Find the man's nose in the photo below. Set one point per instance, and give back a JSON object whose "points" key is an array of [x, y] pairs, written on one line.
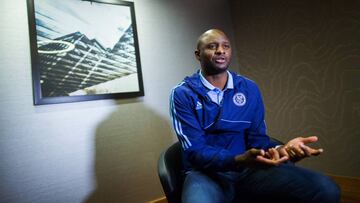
{"points": [[220, 50]]}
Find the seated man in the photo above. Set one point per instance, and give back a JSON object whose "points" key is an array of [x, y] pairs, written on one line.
{"points": [[218, 117]]}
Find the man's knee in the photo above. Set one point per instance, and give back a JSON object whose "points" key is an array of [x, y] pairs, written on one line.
{"points": [[326, 190]]}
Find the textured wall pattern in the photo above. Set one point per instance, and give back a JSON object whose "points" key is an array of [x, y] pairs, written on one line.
{"points": [[305, 56]]}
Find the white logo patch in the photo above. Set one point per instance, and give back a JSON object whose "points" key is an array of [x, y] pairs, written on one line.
{"points": [[239, 99]]}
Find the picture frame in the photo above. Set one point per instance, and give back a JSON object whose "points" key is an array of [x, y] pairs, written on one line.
{"points": [[83, 50]]}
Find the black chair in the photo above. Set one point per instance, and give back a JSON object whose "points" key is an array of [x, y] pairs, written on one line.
{"points": [[170, 171]]}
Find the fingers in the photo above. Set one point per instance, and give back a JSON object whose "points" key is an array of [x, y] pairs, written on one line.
{"points": [[258, 157], [307, 140], [296, 150], [273, 158], [249, 156], [283, 152], [307, 150], [318, 152], [290, 152], [296, 153], [272, 162], [274, 154], [311, 151], [255, 152]]}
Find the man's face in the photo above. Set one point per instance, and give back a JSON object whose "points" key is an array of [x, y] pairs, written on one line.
{"points": [[214, 52]]}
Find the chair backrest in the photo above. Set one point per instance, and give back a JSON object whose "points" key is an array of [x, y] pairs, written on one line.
{"points": [[170, 168]]}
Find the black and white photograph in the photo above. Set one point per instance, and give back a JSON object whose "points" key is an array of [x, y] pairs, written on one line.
{"points": [[83, 50]]}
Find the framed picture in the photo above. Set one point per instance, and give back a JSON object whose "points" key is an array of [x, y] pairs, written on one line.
{"points": [[83, 50]]}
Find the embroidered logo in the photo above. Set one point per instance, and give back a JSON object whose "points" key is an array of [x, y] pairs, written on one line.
{"points": [[239, 99], [198, 105]]}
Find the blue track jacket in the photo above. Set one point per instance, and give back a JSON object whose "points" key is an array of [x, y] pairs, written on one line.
{"points": [[212, 134]]}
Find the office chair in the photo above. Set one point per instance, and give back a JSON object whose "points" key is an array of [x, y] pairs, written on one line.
{"points": [[170, 171]]}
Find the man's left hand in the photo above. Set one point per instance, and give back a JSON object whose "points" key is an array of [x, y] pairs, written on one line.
{"points": [[297, 149]]}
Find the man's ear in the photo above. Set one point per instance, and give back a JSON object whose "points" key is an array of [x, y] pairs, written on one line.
{"points": [[197, 54]]}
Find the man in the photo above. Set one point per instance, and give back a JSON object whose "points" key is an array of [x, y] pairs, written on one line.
{"points": [[218, 117]]}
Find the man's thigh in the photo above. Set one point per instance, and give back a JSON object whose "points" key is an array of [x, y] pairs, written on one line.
{"points": [[200, 188], [289, 183]]}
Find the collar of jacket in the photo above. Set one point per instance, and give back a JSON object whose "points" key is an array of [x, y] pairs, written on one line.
{"points": [[196, 85]]}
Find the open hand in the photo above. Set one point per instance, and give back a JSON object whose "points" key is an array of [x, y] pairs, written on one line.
{"points": [[297, 149]]}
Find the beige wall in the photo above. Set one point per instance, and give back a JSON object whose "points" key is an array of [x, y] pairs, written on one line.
{"points": [[305, 56], [96, 151]]}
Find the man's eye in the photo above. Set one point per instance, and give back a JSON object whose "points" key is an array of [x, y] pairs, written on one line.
{"points": [[212, 46], [226, 46]]}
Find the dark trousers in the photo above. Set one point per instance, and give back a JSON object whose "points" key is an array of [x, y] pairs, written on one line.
{"points": [[284, 183]]}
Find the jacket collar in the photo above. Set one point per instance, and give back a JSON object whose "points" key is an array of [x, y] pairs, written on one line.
{"points": [[208, 85], [195, 83]]}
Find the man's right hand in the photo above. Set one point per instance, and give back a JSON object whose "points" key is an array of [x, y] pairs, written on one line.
{"points": [[258, 157]]}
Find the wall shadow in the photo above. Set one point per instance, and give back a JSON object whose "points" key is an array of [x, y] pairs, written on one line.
{"points": [[127, 147]]}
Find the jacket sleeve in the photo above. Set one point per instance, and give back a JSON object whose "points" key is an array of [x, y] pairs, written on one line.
{"points": [[256, 136], [192, 136]]}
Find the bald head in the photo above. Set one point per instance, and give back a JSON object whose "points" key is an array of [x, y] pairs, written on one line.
{"points": [[213, 52], [206, 34]]}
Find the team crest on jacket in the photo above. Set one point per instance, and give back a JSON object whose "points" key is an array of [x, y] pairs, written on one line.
{"points": [[239, 99]]}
